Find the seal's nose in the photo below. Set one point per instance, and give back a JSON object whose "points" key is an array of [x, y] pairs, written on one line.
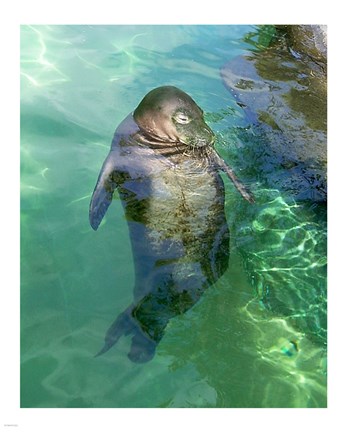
{"points": [[207, 138]]}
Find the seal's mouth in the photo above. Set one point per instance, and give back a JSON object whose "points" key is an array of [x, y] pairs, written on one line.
{"points": [[197, 136], [197, 142]]}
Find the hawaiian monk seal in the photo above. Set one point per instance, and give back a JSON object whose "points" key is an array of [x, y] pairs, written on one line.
{"points": [[166, 171]]}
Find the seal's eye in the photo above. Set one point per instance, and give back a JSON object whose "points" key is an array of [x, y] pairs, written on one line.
{"points": [[182, 118]]}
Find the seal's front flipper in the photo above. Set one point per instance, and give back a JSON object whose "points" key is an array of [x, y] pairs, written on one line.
{"points": [[103, 193], [221, 164]]}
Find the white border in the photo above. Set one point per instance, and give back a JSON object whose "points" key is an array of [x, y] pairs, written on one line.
{"points": [[161, 12]]}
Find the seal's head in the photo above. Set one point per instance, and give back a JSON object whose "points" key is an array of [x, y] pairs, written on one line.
{"points": [[167, 114]]}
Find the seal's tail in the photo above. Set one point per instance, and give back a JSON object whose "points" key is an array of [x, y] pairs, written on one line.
{"points": [[122, 326], [142, 346]]}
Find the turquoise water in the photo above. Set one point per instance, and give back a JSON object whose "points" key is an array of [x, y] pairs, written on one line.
{"points": [[258, 336]]}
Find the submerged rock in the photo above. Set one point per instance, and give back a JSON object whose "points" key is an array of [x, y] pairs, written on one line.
{"points": [[281, 84], [283, 91], [308, 40]]}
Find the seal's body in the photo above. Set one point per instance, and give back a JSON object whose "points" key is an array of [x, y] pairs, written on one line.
{"points": [[166, 172]]}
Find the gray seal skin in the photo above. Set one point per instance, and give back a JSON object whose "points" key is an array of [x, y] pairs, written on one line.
{"points": [[164, 166]]}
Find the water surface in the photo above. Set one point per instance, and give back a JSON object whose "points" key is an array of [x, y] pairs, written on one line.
{"points": [[257, 338]]}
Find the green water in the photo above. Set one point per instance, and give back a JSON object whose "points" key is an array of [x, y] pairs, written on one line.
{"points": [[257, 338]]}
